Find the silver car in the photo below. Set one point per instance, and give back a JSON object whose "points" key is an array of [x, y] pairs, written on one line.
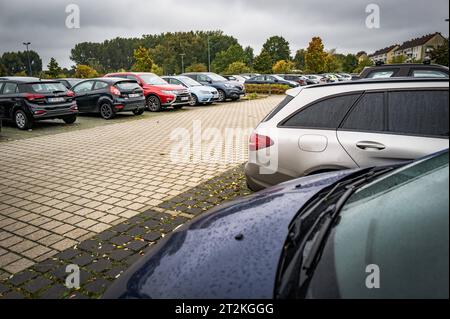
{"points": [[330, 127]]}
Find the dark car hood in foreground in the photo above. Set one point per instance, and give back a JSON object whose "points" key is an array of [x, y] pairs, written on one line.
{"points": [[204, 259]]}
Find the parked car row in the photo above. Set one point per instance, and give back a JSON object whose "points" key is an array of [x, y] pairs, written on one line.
{"points": [[25, 100], [361, 210]]}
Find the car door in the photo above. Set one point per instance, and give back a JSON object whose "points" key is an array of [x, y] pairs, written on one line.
{"points": [[82, 95], [394, 127], [3, 112], [8, 98], [307, 139], [98, 90]]}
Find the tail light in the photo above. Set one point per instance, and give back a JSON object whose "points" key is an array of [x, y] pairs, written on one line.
{"points": [[70, 93], [114, 90], [32, 96], [259, 142]]}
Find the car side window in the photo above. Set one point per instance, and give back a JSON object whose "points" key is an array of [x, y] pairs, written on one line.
{"points": [[202, 78], [428, 74], [100, 85], [368, 114], [10, 88], [381, 74], [83, 87], [325, 114], [423, 113]]}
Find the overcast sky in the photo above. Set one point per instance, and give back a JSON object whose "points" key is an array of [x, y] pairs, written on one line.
{"points": [[340, 23]]}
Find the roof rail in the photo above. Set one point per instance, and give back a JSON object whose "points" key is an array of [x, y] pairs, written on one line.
{"points": [[378, 81]]}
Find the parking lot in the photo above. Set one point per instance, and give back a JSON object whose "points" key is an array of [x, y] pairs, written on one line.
{"points": [[62, 186]]}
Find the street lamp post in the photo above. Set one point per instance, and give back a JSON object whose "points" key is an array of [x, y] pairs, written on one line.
{"points": [[182, 62], [209, 56], [30, 72]]}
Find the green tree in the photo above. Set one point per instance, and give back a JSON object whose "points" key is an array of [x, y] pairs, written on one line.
{"points": [[364, 62], [3, 70], [283, 67], [299, 59], [249, 56], [53, 68], [85, 72], [197, 67], [349, 63], [234, 53], [17, 62], [316, 57], [333, 62], [440, 54], [277, 48], [263, 63], [143, 61], [238, 68]]}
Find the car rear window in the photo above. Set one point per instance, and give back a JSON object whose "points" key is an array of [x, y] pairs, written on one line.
{"points": [[423, 113], [48, 87], [127, 85], [325, 114]]}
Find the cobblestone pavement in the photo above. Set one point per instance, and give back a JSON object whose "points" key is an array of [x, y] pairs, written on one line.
{"points": [[60, 190], [105, 256]]}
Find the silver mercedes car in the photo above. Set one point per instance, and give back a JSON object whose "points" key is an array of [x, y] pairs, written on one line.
{"points": [[328, 127]]}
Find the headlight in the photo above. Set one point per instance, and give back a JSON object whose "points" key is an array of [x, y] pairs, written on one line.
{"points": [[169, 92], [229, 85]]}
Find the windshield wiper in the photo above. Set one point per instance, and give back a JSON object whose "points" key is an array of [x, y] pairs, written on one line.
{"points": [[300, 268]]}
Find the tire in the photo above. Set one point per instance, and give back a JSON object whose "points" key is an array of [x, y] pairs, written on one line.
{"points": [[222, 96], [107, 111], [138, 112], [193, 101], [236, 99], [70, 119], [22, 120], [153, 103]]}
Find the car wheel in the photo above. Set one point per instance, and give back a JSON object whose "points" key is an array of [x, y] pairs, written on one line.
{"points": [[70, 119], [153, 103], [193, 101], [107, 111], [22, 120], [222, 96], [138, 112], [236, 98]]}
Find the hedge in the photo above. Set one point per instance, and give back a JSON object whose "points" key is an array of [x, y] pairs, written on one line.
{"points": [[267, 88]]}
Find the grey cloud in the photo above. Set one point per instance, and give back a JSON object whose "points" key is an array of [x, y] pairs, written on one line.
{"points": [[339, 23]]}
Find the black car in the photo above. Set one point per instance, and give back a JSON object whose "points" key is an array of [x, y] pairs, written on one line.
{"points": [[109, 96], [25, 100], [271, 79], [69, 82], [416, 70], [379, 232], [227, 89], [300, 79]]}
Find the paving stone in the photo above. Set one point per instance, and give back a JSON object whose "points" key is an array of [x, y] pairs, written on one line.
{"points": [[120, 254], [13, 295], [152, 236], [120, 240], [37, 284], [54, 292], [100, 266], [98, 286], [22, 277]]}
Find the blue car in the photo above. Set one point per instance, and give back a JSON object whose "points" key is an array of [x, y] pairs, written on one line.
{"points": [[362, 233], [201, 94]]}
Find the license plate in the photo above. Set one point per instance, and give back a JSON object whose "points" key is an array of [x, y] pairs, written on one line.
{"points": [[133, 95], [185, 98], [56, 99]]}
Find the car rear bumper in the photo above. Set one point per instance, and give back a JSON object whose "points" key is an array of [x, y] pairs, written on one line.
{"points": [[53, 112], [258, 181], [124, 105]]}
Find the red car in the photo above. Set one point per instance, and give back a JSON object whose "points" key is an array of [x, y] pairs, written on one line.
{"points": [[158, 93]]}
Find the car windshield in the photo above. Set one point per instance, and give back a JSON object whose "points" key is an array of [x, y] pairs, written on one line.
{"points": [[152, 79], [189, 82], [385, 226], [279, 78], [48, 87], [216, 78]]}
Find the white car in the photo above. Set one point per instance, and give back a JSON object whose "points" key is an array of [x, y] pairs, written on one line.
{"points": [[200, 94], [346, 125]]}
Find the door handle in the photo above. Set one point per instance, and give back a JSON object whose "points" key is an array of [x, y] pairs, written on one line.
{"points": [[365, 145]]}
